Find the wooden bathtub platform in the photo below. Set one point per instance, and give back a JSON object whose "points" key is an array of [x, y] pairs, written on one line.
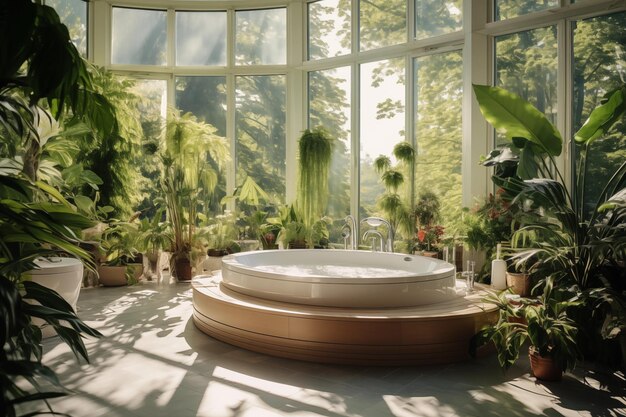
{"points": [[424, 335]]}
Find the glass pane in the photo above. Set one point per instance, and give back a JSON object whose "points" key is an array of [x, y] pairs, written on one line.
{"points": [[599, 66], [260, 132], [381, 125], [261, 37], [526, 64], [329, 107], [439, 87], [437, 17], [152, 108], [205, 97], [73, 14], [329, 28], [139, 37], [200, 38], [507, 9], [383, 23]]}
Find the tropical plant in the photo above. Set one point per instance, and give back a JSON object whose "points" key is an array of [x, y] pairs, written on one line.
{"points": [[426, 214], [315, 153], [222, 234], [37, 62], [394, 206], [188, 179], [47, 227], [558, 237], [154, 234], [542, 321], [294, 231]]}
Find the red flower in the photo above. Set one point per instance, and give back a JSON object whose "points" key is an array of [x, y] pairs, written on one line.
{"points": [[421, 235]]}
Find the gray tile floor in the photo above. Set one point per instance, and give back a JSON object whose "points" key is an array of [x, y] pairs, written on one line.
{"points": [[153, 362]]}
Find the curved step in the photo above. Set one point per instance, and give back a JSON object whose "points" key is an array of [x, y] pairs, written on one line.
{"points": [[432, 334]]}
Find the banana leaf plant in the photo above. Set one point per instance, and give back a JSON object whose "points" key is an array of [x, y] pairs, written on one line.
{"points": [[582, 250]]}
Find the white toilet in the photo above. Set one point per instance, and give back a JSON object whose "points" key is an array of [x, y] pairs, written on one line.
{"points": [[64, 275]]}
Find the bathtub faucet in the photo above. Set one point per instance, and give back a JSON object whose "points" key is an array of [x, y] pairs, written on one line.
{"points": [[349, 231], [376, 222], [375, 234]]}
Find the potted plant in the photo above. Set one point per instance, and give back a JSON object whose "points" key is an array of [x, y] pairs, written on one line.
{"points": [[560, 234], [154, 237], [315, 154], [429, 233], [188, 179], [543, 322], [119, 245], [293, 232], [395, 207], [222, 236]]}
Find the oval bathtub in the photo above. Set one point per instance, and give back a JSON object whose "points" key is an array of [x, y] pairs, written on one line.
{"points": [[340, 278]]}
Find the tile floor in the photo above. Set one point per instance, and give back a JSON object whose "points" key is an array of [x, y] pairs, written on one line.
{"points": [[153, 362]]}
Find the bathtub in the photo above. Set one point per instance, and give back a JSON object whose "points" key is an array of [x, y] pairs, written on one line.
{"points": [[340, 278]]}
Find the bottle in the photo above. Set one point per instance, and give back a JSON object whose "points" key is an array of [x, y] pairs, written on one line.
{"points": [[498, 271]]}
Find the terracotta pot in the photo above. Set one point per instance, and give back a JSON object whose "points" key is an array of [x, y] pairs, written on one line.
{"points": [[544, 368], [519, 282], [112, 276], [430, 254], [183, 269]]}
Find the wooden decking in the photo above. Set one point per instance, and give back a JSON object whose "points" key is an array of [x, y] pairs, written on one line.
{"points": [[431, 334]]}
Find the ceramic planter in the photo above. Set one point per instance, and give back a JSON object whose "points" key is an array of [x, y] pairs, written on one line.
{"points": [[112, 276], [519, 282], [544, 368]]}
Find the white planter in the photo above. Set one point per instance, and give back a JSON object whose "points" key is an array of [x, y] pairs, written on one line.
{"points": [[63, 275]]}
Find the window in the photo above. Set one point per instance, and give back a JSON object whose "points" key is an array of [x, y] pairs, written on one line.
{"points": [[260, 132], [73, 14], [439, 96], [381, 124], [261, 37], [329, 107], [139, 37], [382, 23], [526, 64], [201, 38], [437, 17], [152, 108], [329, 28], [601, 40], [507, 9]]}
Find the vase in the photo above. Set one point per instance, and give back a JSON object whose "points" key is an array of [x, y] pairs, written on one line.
{"points": [[544, 368]]}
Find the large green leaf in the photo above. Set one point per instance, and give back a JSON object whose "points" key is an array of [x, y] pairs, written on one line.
{"points": [[515, 117], [603, 117]]}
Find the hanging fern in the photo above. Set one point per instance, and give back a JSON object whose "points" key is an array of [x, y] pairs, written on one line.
{"points": [[315, 150], [404, 152]]}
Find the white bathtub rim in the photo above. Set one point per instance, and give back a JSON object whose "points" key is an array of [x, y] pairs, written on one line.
{"points": [[230, 264]]}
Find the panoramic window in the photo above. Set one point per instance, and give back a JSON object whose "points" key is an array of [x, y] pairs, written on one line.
{"points": [[437, 17], [200, 38], [261, 37], [382, 23], [601, 40], [439, 96], [526, 64], [73, 14], [381, 124], [507, 9], [329, 28], [260, 132], [139, 37], [329, 107]]}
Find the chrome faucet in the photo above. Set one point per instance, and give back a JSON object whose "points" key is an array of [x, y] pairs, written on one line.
{"points": [[375, 234], [349, 231], [377, 222]]}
